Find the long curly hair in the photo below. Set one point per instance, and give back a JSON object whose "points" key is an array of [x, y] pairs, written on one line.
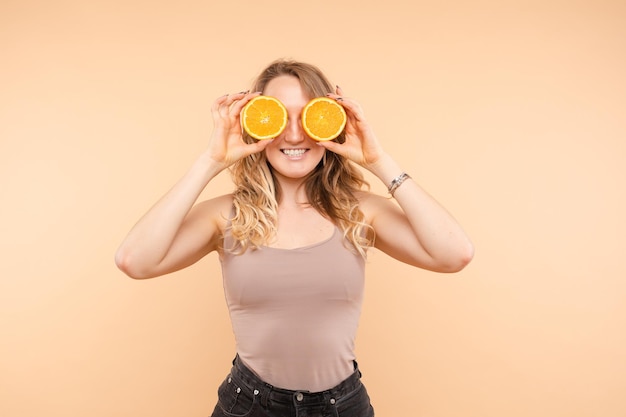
{"points": [[331, 187]]}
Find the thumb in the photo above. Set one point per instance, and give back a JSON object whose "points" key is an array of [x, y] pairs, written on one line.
{"points": [[332, 146], [259, 145]]}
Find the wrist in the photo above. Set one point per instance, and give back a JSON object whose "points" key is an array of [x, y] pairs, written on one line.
{"points": [[207, 166], [386, 169], [397, 182]]}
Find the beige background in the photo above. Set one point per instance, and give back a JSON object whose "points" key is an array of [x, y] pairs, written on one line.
{"points": [[511, 113]]}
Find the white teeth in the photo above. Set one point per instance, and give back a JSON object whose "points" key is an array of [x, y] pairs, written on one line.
{"points": [[294, 152]]}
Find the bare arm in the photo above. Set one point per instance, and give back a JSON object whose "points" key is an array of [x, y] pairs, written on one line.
{"points": [[175, 233], [172, 234], [417, 230]]}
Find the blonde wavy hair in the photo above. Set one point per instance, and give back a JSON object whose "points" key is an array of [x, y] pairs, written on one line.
{"points": [[331, 187]]}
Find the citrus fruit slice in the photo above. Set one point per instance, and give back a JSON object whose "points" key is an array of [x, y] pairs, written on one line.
{"points": [[323, 119], [264, 117]]}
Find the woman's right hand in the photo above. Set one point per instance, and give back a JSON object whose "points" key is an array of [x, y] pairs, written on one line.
{"points": [[175, 233], [226, 145]]}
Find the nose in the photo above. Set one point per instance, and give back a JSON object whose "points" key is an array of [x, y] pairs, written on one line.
{"points": [[293, 133]]}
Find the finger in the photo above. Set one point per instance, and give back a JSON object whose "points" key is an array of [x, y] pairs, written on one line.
{"points": [[234, 97], [339, 99], [339, 90], [218, 102], [219, 105], [353, 109], [239, 105], [224, 103]]}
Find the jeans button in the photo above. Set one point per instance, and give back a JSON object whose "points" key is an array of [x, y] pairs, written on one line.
{"points": [[299, 396], [332, 401]]}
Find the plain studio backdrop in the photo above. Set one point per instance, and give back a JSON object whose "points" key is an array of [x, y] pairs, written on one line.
{"points": [[511, 113]]}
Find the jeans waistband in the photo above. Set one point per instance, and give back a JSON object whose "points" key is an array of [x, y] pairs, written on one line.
{"points": [[268, 392]]}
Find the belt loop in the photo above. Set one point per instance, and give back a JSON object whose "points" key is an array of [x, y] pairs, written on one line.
{"points": [[356, 368], [265, 395]]}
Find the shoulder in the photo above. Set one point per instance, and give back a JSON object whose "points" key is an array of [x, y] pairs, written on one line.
{"points": [[216, 210]]}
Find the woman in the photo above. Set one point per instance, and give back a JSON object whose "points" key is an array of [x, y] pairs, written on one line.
{"points": [[292, 240]]}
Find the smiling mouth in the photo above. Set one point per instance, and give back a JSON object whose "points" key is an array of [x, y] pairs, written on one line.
{"points": [[294, 152]]}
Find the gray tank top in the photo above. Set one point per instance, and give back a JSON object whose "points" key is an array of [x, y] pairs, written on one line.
{"points": [[295, 312]]}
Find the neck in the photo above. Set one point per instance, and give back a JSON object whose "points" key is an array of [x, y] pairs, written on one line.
{"points": [[292, 191]]}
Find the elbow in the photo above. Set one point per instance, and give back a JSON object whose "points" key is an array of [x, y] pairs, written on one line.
{"points": [[124, 262], [463, 256], [453, 259]]}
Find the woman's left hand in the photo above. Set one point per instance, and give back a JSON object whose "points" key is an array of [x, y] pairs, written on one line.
{"points": [[361, 145]]}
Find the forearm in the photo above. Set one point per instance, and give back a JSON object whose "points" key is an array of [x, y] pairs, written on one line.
{"points": [[439, 234], [150, 239]]}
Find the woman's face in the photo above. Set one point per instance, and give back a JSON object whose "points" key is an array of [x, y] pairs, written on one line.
{"points": [[293, 154]]}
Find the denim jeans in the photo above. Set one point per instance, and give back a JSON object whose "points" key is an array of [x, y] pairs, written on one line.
{"points": [[243, 394]]}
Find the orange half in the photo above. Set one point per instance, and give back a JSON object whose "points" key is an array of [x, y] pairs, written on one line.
{"points": [[323, 119], [264, 117]]}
